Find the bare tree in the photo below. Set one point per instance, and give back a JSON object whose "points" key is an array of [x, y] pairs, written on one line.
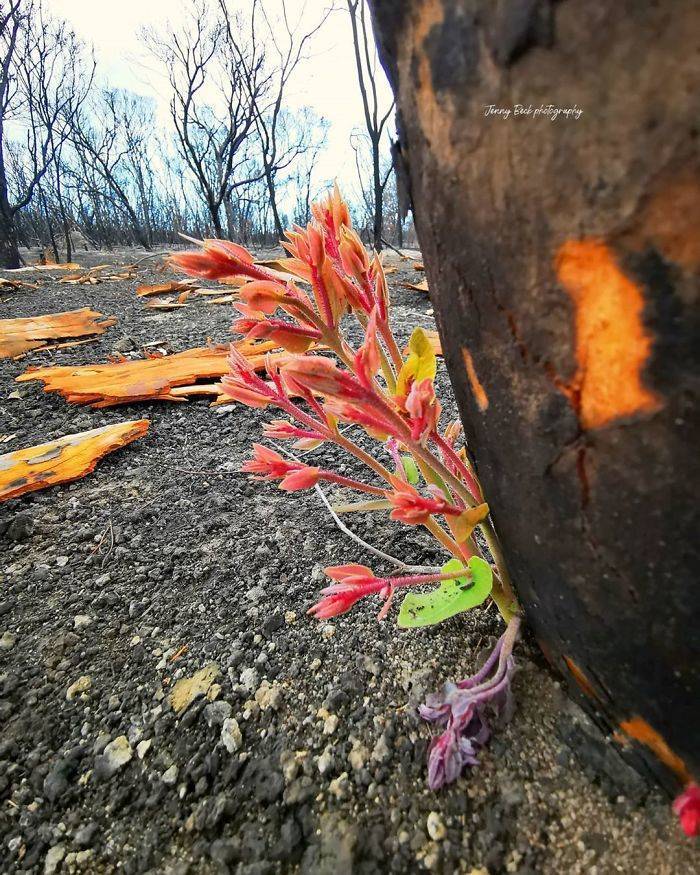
{"points": [[111, 139], [42, 84], [215, 71], [366, 63], [281, 142]]}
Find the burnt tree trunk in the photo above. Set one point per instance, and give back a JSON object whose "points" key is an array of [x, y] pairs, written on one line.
{"points": [[563, 257]]}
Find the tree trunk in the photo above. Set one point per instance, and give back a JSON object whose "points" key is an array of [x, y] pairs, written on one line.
{"points": [[563, 257], [378, 199], [9, 251]]}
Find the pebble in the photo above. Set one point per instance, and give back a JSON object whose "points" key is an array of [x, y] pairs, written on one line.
{"points": [[116, 754], [215, 713], [7, 641], [340, 786], [82, 685], [82, 621], [231, 735], [436, 827], [169, 776], [143, 747], [358, 756], [326, 761], [249, 679], [54, 858], [268, 696]]}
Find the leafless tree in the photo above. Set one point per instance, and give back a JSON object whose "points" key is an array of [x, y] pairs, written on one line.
{"points": [[42, 84], [215, 67], [111, 137], [287, 39], [366, 63]]}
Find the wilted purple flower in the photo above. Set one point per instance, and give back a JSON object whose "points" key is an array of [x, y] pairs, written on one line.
{"points": [[463, 707]]}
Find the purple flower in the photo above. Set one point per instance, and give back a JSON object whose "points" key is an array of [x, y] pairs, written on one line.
{"points": [[463, 707]]}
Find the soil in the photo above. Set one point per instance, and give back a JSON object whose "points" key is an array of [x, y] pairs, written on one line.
{"points": [[166, 561]]}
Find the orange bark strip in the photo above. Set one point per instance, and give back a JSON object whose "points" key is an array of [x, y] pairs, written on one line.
{"points": [[18, 336], [64, 460], [123, 382], [580, 678], [640, 730], [612, 344], [482, 399], [163, 288]]}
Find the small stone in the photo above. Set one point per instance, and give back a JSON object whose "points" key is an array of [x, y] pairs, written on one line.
{"points": [[328, 631], [8, 641], [116, 754], [330, 724], [326, 761], [216, 712], [169, 777], [231, 735], [339, 786], [436, 827], [54, 858], [290, 617], [358, 756], [186, 690], [381, 752], [85, 836], [82, 685], [82, 621], [249, 679], [84, 858], [268, 696], [143, 747]]}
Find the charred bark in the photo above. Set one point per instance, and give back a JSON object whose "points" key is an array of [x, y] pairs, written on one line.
{"points": [[563, 257]]}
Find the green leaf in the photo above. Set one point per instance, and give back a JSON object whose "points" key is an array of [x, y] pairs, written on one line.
{"points": [[452, 596], [411, 470]]}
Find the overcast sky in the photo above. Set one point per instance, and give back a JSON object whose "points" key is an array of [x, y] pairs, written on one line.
{"points": [[328, 82]]}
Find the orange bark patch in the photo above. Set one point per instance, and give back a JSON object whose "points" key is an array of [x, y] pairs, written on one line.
{"points": [[612, 344], [580, 678], [18, 336], [482, 399], [640, 730], [65, 459], [105, 385]]}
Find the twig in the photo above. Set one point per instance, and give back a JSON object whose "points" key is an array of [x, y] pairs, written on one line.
{"points": [[398, 251]]}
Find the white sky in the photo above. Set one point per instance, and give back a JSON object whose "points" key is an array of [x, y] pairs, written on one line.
{"points": [[328, 82]]}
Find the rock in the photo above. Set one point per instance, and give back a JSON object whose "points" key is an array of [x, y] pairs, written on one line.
{"points": [[85, 836], [328, 631], [169, 777], [268, 696], [249, 679], [231, 735], [381, 752], [82, 685], [7, 641], [330, 724], [290, 617], [186, 690], [20, 527], [216, 712], [326, 761], [143, 747], [358, 756], [82, 621], [274, 622], [117, 754], [54, 858], [125, 344], [340, 786], [436, 827]]}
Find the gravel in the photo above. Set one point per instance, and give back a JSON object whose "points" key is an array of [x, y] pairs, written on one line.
{"points": [[301, 751]]}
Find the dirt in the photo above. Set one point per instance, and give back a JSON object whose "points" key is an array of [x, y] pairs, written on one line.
{"points": [[166, 561]]}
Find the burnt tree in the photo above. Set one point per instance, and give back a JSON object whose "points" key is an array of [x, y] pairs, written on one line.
{"points": [[563, 256]]}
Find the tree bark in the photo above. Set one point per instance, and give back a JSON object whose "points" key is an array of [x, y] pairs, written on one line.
{"points": [[563, 257], [9, 250]]}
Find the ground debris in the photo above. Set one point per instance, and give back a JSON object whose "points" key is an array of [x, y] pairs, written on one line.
{"points": [[63, 460], [165, 378], [18, 336]]}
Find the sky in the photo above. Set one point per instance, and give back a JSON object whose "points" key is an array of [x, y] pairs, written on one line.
{"points": [[327, 81]]}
